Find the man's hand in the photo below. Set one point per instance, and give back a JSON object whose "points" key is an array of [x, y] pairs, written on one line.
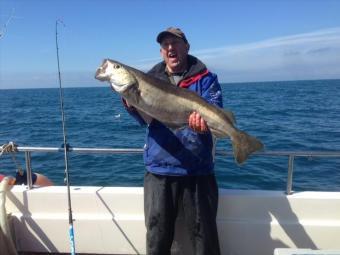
{"points": [[197, 123]]}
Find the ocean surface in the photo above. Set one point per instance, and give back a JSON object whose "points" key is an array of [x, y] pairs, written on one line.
{"points": [[286, 116]]}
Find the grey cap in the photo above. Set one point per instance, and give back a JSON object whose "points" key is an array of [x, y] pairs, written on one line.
{"points": [[171, 31]]}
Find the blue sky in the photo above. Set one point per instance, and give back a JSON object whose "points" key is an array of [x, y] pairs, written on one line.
{"points": [[239, 40]]}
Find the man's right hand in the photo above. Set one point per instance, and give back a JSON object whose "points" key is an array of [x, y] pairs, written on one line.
{"points": [[197, 123]]}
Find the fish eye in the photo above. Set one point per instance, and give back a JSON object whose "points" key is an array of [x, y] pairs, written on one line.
{"points": [[116, 66]]}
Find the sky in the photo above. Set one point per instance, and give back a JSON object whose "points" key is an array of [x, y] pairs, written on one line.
{"points": [[241, 41]]}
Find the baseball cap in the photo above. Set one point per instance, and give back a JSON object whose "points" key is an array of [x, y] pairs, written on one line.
{"points": [[171, 31]]}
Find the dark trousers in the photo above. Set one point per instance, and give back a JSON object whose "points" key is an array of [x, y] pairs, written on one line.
{"points": [[199, 197]]}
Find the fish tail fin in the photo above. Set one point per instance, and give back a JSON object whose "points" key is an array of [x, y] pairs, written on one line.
{"points": [[244, 145]]}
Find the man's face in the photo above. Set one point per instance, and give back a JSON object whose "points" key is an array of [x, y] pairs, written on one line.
{"points": [[174, 52]]}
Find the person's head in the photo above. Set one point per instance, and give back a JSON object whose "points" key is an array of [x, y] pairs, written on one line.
{"points": [[174, 49]]}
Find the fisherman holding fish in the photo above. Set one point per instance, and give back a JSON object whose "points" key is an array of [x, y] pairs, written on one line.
{"points": [[180, 101], [180, 163]]}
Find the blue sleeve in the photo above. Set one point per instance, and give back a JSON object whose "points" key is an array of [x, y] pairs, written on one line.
{"points": [[133, 112], [211, 90]]}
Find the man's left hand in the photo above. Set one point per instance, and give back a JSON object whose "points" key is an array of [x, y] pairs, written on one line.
{"points": [[197, 123]]}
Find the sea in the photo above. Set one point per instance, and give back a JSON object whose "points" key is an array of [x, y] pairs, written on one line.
{"points": [[293, 116]]}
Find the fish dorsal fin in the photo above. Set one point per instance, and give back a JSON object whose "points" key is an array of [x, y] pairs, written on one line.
{"points": [[230, 116]]}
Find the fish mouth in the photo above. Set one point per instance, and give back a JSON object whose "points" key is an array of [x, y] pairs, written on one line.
{"points": [[100, 73]]}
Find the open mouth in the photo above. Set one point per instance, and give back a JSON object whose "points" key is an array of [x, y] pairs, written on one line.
{"points": [[172, 55], [99, 74]]}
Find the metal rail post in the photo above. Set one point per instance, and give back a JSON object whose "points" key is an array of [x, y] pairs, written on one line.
{"points": [[290, 174], [28, 169]]}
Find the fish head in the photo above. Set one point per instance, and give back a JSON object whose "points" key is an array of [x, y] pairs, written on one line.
{"points": [[116, 74]]}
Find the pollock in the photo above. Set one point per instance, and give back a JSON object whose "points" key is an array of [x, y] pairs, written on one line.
{"points": [[172, 105]]}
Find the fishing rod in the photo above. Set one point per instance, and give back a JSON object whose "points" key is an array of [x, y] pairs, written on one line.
{"points": [[66, 147]]}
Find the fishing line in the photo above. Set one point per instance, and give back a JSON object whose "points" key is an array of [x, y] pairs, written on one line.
{"points": [[65, 145], [4, 29]]}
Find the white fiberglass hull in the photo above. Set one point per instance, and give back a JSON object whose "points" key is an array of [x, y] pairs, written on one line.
{"points": [[110, 220]]}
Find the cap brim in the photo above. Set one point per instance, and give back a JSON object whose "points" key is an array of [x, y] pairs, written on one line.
{"points": [[162, 34]]}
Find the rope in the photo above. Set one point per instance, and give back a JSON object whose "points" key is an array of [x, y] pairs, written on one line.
{"points": [[11, 147], [7, 244], [8, 148]]}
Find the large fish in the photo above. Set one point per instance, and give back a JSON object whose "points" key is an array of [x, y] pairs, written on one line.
{"points": [[172, 105]]}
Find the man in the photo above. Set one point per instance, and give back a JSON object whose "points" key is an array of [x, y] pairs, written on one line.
{"points": [[180, 166]]}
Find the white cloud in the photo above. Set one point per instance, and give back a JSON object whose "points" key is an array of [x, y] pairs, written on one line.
{"points": [[314, 55]]}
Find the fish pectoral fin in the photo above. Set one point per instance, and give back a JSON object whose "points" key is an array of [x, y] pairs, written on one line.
{"points": [[230, 115], [133, 93]]}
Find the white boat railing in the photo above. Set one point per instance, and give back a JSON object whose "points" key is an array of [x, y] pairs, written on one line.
{"points": [[291, 155]]}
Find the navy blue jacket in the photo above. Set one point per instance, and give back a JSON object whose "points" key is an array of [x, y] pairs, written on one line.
{"points": [[182, 151]]}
